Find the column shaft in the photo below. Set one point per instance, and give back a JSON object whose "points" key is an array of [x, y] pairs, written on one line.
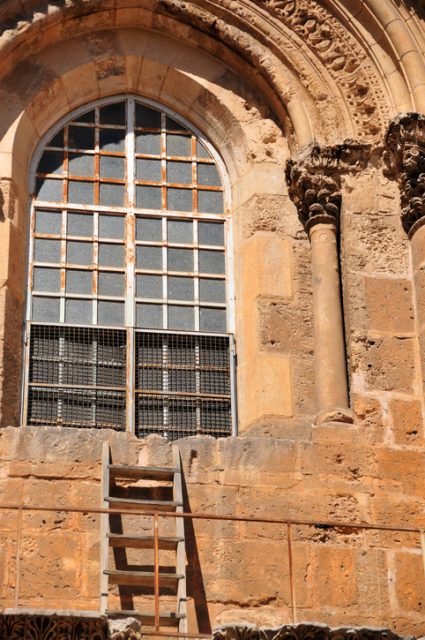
{"points": [[330, 365]]}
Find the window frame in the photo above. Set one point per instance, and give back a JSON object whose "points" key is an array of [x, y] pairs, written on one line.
{"points": [[129, 322]]}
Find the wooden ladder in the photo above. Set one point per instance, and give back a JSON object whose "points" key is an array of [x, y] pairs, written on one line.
{"points": [[130, 579]]}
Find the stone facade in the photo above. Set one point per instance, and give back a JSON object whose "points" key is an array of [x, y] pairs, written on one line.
{"points": [[329, 302]]}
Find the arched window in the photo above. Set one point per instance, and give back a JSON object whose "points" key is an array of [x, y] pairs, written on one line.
{"points": [[128, 321]]}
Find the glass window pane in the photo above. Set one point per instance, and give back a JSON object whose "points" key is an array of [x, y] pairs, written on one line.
{"points": [[51, 162], [211, 233], [79, 311], [201, 151], [147, 169], [80, 224], [148, 197], [80, 137], [45, 309], [111, 167], [111, 195], [111, 284], [179, 199], [147, 117], [46, 279], [208, 175], [149, 316], [173, 125], [79, 252], [78, 281], [149, 286], [179, 145], [111, 227], [113, 114], [210, 202], [111, 255], [149, 229], [149, 258], [111, 313], [148, 143], [85, 117], [211, 262], [180, 260], [48, 222], [80, 192], [180, 288], [47, 250], [57, 140], [179, 172], [80, 165], [49, 190], [112, 139], [181, 318], [212, 290], [180, 231], [213, 320]]}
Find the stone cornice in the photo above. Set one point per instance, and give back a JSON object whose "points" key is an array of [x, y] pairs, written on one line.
{"points": [[405, 158], [314, 180], [301, 632]]}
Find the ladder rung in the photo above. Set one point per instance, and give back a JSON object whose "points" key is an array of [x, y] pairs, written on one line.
{"points": [[166, 618], [141, 578], [143, 542], [142, 505], [149, 473]]}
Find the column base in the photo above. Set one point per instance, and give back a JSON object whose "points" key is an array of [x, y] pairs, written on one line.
{"points": [[334, 415]]}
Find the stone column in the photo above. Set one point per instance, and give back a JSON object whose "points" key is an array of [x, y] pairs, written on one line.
{"points": [[314, 181], [405, 157]]}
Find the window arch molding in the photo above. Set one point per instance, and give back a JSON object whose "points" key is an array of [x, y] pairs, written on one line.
{"points": [[60, 193]]}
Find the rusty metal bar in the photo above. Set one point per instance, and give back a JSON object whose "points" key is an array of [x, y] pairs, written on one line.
{"points": [[18, 556], [291, 575], [213, 516], [156, 569]]}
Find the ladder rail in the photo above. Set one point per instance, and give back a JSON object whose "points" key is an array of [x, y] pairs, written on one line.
{"points": [[181, 545], [104, 528]]}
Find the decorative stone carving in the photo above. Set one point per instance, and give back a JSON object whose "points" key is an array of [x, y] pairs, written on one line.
{"points": [[39, 627], [405, 157], [301, 632], [343, 58], [314, 180]]}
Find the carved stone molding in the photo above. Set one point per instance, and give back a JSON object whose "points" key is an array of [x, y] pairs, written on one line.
{"points": [[405, 157], [314, 180], [343, 57], [301, 632], [47, 627]]}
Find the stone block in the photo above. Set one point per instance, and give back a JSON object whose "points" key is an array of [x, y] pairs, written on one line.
{"points": [[369, 415], [390, 305], [407, 422], [387, 364], [266, 266], [284, 327], [409, 581]]}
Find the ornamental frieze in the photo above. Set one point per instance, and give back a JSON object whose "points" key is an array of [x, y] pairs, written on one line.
{"points": [[343, 58]]}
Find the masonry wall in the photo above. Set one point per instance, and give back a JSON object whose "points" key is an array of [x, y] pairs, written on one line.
{"points": [[237, 571]]}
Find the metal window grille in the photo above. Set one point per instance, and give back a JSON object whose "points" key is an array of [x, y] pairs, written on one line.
{"points": [[128, 241]]}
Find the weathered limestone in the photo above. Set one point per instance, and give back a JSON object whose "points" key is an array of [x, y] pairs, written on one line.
{"points": [[315, 186], [405, 157]]}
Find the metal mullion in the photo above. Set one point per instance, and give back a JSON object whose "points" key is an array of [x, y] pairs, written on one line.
{"points": [[65, 165], [130, 237], [165, 273], [165, 380], [96, 158], [198, 384], [95, 273], [163, 162], [194, 176], [196, 278], [63, 266]]}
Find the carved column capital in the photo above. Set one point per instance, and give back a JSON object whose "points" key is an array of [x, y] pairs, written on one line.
{"points": [[314, 180], [405, 158]]}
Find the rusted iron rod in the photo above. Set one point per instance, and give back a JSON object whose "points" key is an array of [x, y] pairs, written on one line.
{"points": [[213, 516], [156, 570]]}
